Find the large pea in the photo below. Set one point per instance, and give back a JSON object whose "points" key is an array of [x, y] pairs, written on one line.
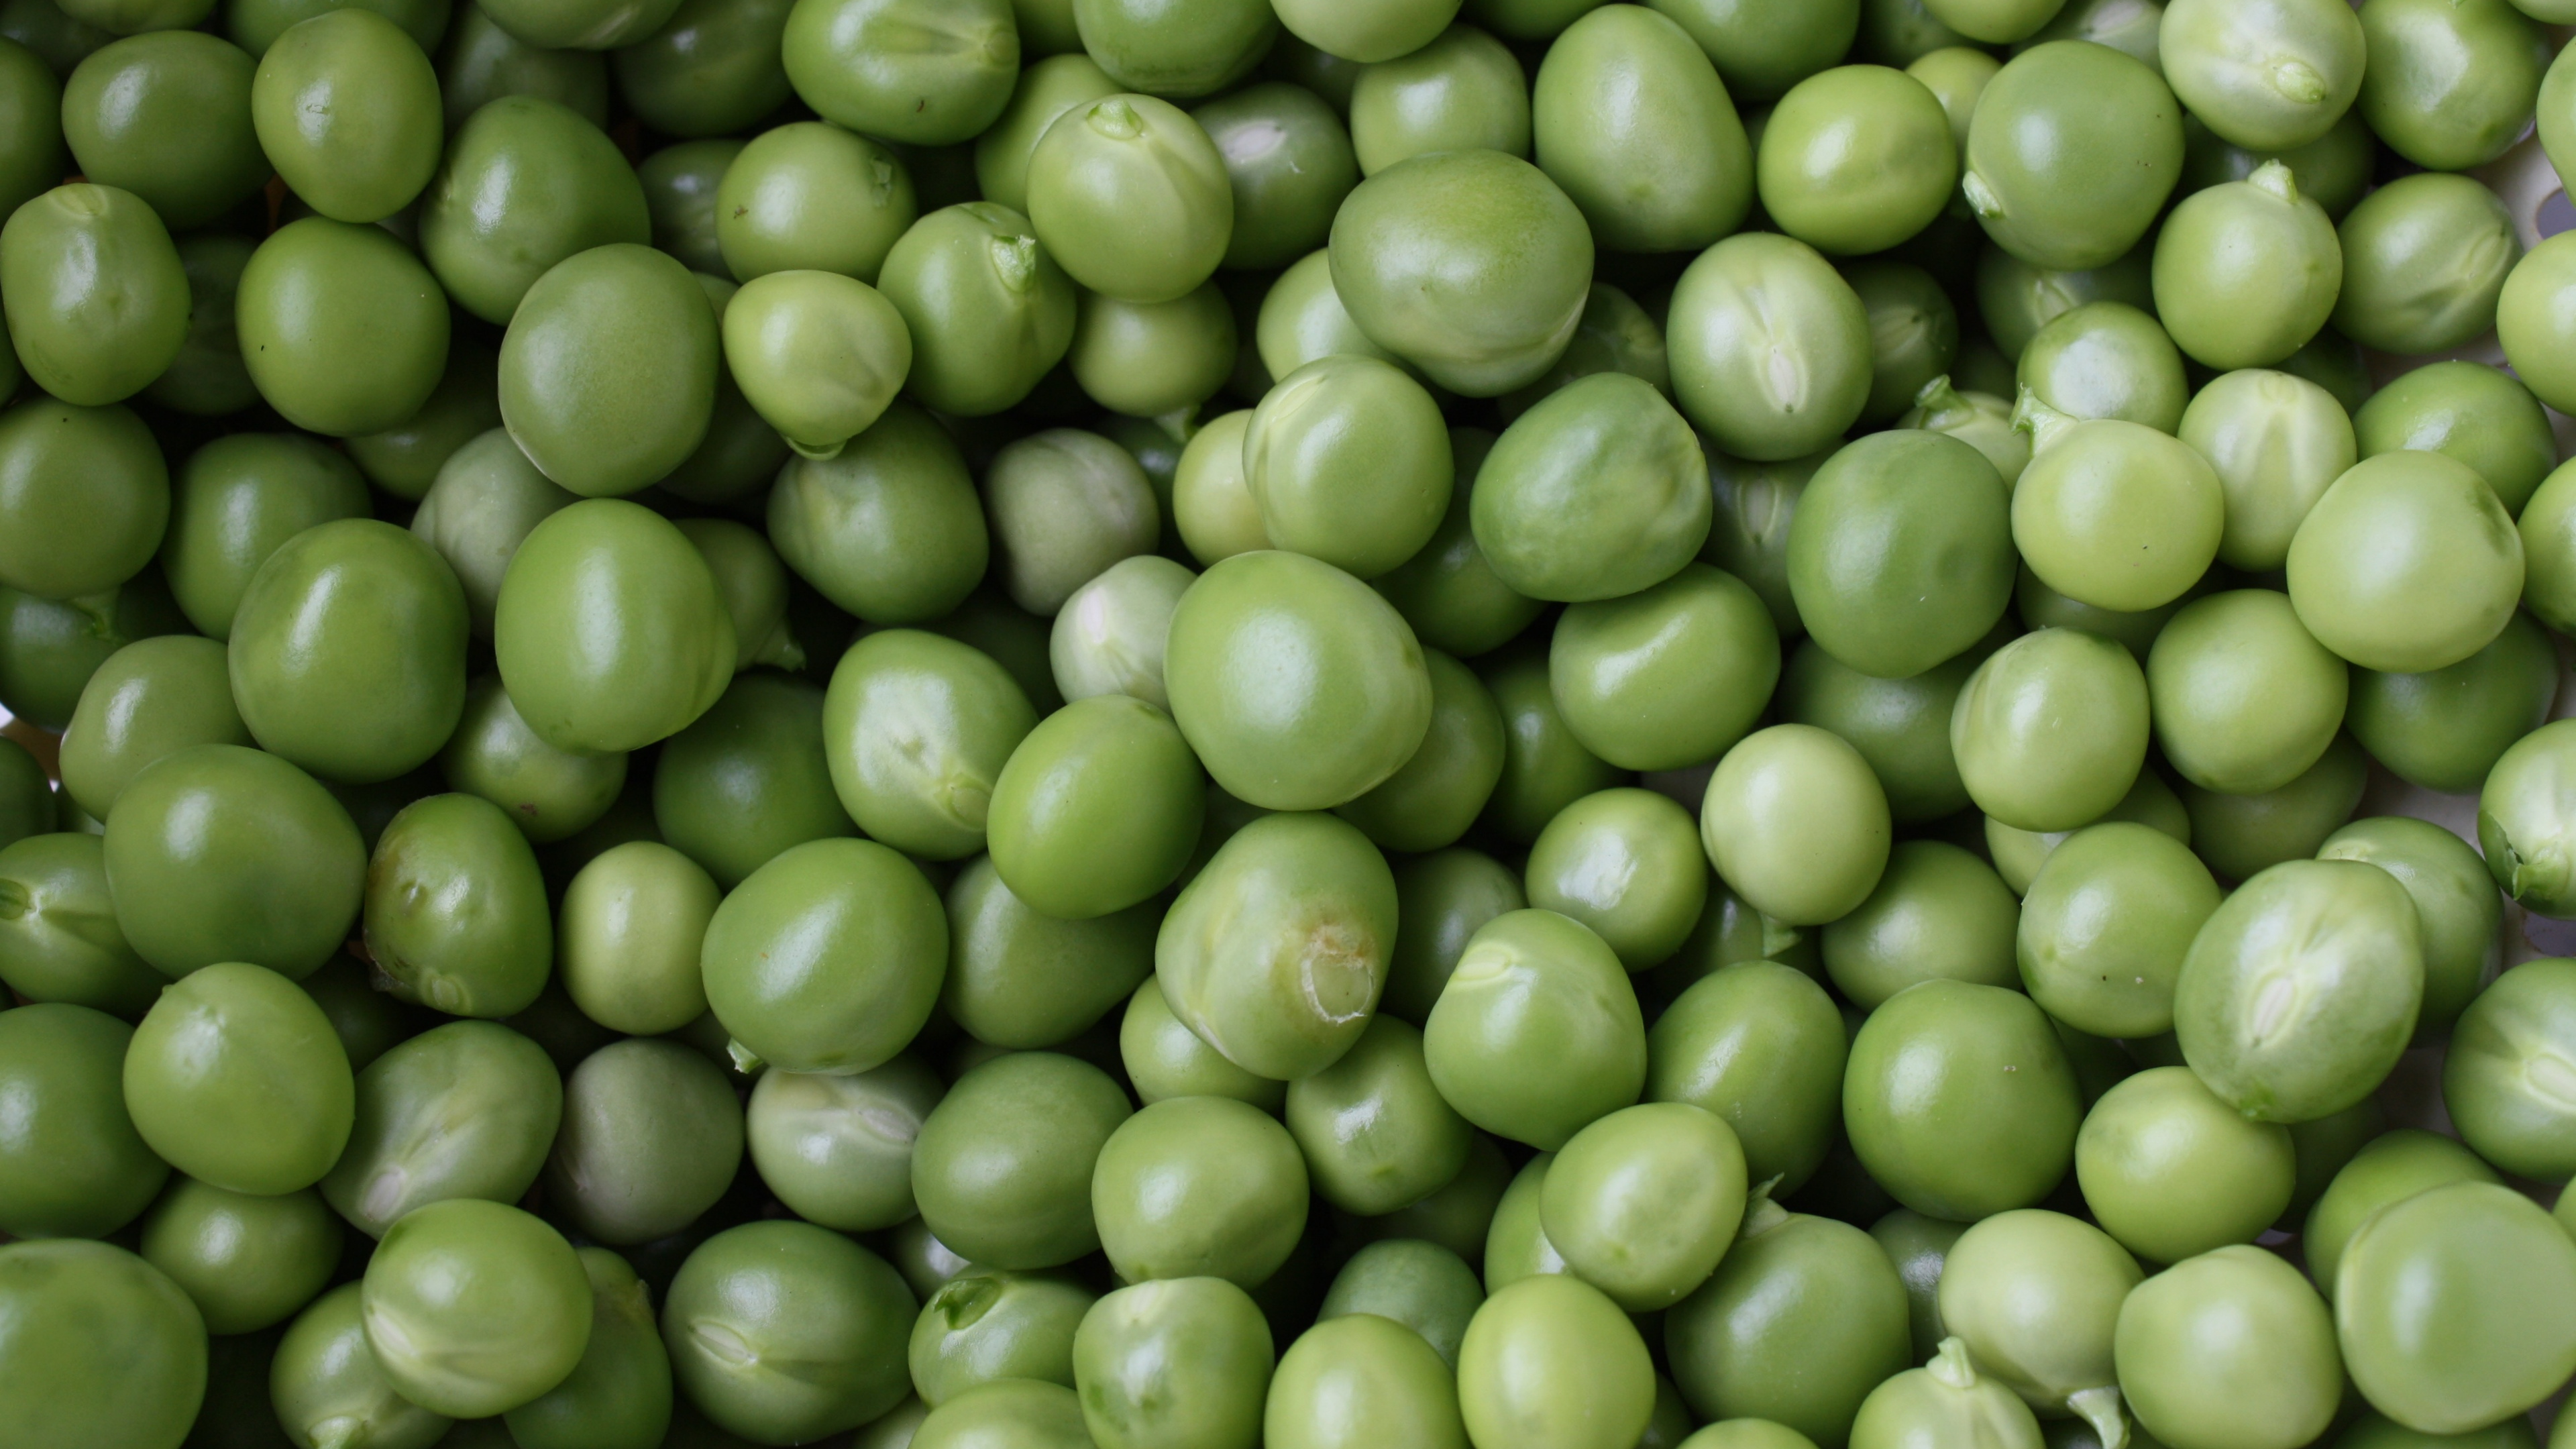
{"points": [[2455, 902], [608, 370], [481, 62], [712, 69], [101, 1347], [167, 116], [1531, 988], [1644, 1202], [817, 354], [77, 1166], [548, 793], [2513, 1036], [220, 853], [2072, 153], [2422, 107], [2243, 697], [651, 1137], [1802, 1319], [2106, 924], [1796, 824], [828, 958], [524, 185], [917, 731], [890, 528], [2232, 1346], [1065, 505], [825, 1322], [1375, 1132], [248, 1262], [238, 499], [1110, 635], [2424, 259], [809, 195], [2379, 608], [619, 1394], [749, 779], [609, 629], [2117, 514], [347, 106], [838, 1149], [347, 653], [1673, 176], [2247, 271], [2173, 1172], [321, 294], [1349, 1379], [462, 1110], [1628, 864], [1463, 89], [49, 648], [2272, 78], [1760, 1045], [1599, 490], [1770, 347], [1899, 553], [2302, 990], [236, 1078], [1174, 1363], [1164, 1057], [988, 309], [324, 1375], [472, 1308], [96, 300], [2051, 731], [921, 74], [2468, 411], [1959, 1100], [1097, 809], [1196, 1187], [151, 698], [1019, 978], [456, 911], [1130, 195], [1276, 951], [1550, 1361], [60, 941], [84, 498], [1349, 462], [2035, 1295], [987, 1324], [2276, 442]]}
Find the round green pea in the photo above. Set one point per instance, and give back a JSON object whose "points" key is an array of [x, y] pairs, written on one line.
{"points": [[59, 941], [166, 116], [1644, 1202], [208, 378], [2424, 260], [783, 1331], [2376, 606], [2173, 1172], [1374, 1131], [481, 62], [2105, 359], [1348, 1380], [1149, 359], [1046, 90], [608, 369], [2117, 514], [812, 196], [465, 1110], [1550, 1361], [1419, 1284], [1628, 864], [651, 1137], [96, 300], [1668, 676], [236, 1078], [525, 183], [2390, 1168], [1109, 637], [921, 74], [2455, 902], [1796, 824], [320, 294], [2244, 699], [1002, 1167], [2532, 321], [828, 958], [817, 354], [239, 499], [1673, 176], [1020, 978], [247, 1262], [2072, 153], [989, 311], [890, 528], [1900, 552], [1770, 348], [2229, 1347], [2017, 299], [548, 793], [1938, 913], [749, 779], [483, 503], [96, 1346], [1150, 49], [1442, 899], [1516, 1244], [837, 1149], [1334, 424], [151, 698], [2271, 77], [2415, 91], [2240, 835], [2105, 926], [456, 909], [1918, 1246], [1857, 159], [1462, 89], [1900, 726], [1097, 809], [1458, 1218], [2247, 271], [986, 1324], [472, 1308], [1595, 492], [1289, 163], [77, 1165], [1199, 1187], [347, 107], [1537, 1033], [709, 70], [1131, 196], [2468, 411], [2051, 731], [1960, 1101], [1065, 505], [2276, 442], [2508, 1043], [1801, 1320], [1914, 342], [2034, 1296], [918, 729], [1434, 797], [1760, 1045], [1174, 1363], [324, 1377]]}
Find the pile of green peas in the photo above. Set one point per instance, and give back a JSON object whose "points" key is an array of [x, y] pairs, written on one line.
{"points": [[974, 724]]}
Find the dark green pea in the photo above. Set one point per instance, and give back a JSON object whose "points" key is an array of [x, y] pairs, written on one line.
{"points": [[651, 1137], [619, 1395], [319, 294], [1900, 726], [1669, 177], [485, 502], [1668, 676], [1174, 1362], [1003, 1166], [456, 911], [1938, 913], [348, 651], [924, 75], [2469, 412], [347, 107], [680, 184], [59, 940], [1442, 900], [77, 1166], [57, 38], [229, 854], [2244, 698], [609, 629], [748, 780], [1803, 1318], [2242, 834], [1435, 796], [740, 455], [166, 116], [1763, 50], [236, 1078], [2455, 902], [255, 25], [828, 958], [1752, 505], [27, 805], [482, 63], [1897, 555], [975, 288], [1919, 1247], [237, 501], [2424, 259], [2074, 148], [404, 460], [2374, 1430], [2446, 729], [1132, 197], [1423, 1286], [1992, 1128], [547, 792], [709, 70], [1165, 1058], [754, 584], [2017, 299], [1628, 864], [1459, 1216], [34, 159], [1199, 1187], [1536, 987], [463, 1110], [474, 1307], [1019, 978], [97, 301], [838, 1149], [2105, 924], [208, 378], [1545, 768], [1375, 1132], [608, 369], [1047, 89], [1350, 1378], [1614, 335], [891, 529], [1766, 296], [325, 1379], [150, 699], [987, 1324], [1914, 334], [811, 196], [49, 649], [247, 1262], [1551, 1360], [525, 183], [1097, 809], [2422, 107], [1289, 163], [103, 1348]]}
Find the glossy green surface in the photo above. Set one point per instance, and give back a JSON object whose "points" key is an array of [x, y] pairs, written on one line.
{"points": [[1199, 1187], [2276, 442], [1669, 177], [59, 941], [97, 302], [1756, 297], [608, 369], [1344, 1382], [246, 1262], [2072, 153], [1551, 1361], [2051, 731], [78, 1167], [1937, 913], [2158, 1131], [2455, 903], [2247, 271], [2413, 92], [166, 116], [620, 1392], [525, 184], [1899, 552], [465, 1110], [1760, 1045], [837, 1147], [1003, 1166], [96, 1346], [347, 107], [236, 1078], [783, 1331], [2105, 926], [1533, 986], [1803, 1318], [2471, 413], [2231, 1347], [2429, 515], [889, 529], [828, 958], [2506, 1046], [1796, 824], [2424, 258]]}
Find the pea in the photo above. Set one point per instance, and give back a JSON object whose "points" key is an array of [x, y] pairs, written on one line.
{"points": [[1421, 1285], [2420, 109], [1535, 986], [95, 330], [2273, 78], [2231, 1346], [708, 70], [490, 227], [826, 1320], [1672, 177], [247, 1262], [1132, 197], [1147, 359], [1516, 1245], [1900, 726], [917, 731], [78, 1166], [2459, 529], [179, 133], [35, 158], [2017, 299], [1375, 1133], [324, 1375], [2073, 152], [236, 1078], [1628, 864], [2455, 902], [1946, 1396], [2390, 1168], [102, 1346], [608, 369], [1199, 1187], [319, 293], [207, 378], [150, 699], [2476, 414], [974, 288], [890, 528], [1918, 1246], [347, 106], [2247, 271], [1758, 1044], [2425, 258], [2106, 924], [2050, 731], [464, 1110], [1173, 1362], [1165, 1058], [1796, 824], [2404, 1291], [2210, 665], [404, 459], [620, 1392], [838, 1148], [1897, 554], [2162, 1128], [1348, 1380], [985, 1325], [60, 942], [2528, 320], [1551, 1361], [481, 62], [1109, 637], [1020, 978], [2506, 1042], [2276, 442], [1288, 162], [828, 958]]}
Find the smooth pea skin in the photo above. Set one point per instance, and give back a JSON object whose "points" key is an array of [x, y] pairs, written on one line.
{"points": [[485, 500], [2117, 514], [230, 854], [2071, 155], [479, 62], [2455, 902], [1760, 1045], [167, 117], [59, 940], [2240, 835], [1628, 864], [2105, 359], [749, 779], [1668, 676], [1130, 195], [2359, 565], [1173, 1363], [2244, 699], [988, 309], [1899, 553], [709, 71], [1439, 793], [547, 792], [237, 501], [1151, 49], [783, 1332], [1442, 899], [1349, 462], [2511, 1040], [77, 1165], [2276, 442], [1671, 176], [1535, 987], [1938, 913], [462, 1110], [809, 195], [475, 1307], [2522, 821], [608, 369], [1289, 162], [320, 294], [2172, 1172], [917, 731], [1195, 1187], [324, 1378], [236, 1078], [1021, 978], [1097, 809], [1165, 1058], [2533, 321], [1375, 1133], [1350, 1380], [1419, 1284], [96, 300], [247, 1262], [2389, 1168], [837, 1149], [2269, 77], [2229, 1350], [207, 379], [817, 354], [1471, 265], [925, 75], [1550, 1361], [1947, 1397], [828, 958], [1770, 348], [2051, 731], [2105, 926], [1901, 726], [620, 1393], [1796, 824], [1959, 1100], [1803, 1318], [2424, 259], [609, 629], [85, 497], [456, 911], [96, 1346], [525, 184], [2247, 271], [889, 528], [651, 1137], [1065, 505], [2416, 94], [2451, 1307], [1003, 1166], [347, 106], [1463, 89], [1856, 159], [1644, 1202], [1596, 492], [1110, 636], [2301, 991], [2034, 1295], [151, 698], [2469, 412]]}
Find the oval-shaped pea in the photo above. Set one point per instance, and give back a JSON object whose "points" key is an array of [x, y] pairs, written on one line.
{"points": [[1938, 913], [1130, 195], [2455, 902], [102, 1347], [986, 1325], [627, 937], [323, 1374], [151, 698], [2035, 1296], [346, 105], [2420, 106], [2072, 153], [838, 1148], [247, 1262], [890, 528], [59, 940], [793, 1294], [2232, 1346], [749, 779], [1535, 987], [96, 300], [2105, 926], [1737, 1343], [456, 910], [810, 195], [320, 294], [1018, 978], [988, 309], [2117, 514], [1644, 1202], [1760, 1045], [1097, 809], [828, 958], [918, 729], [2247, 271], [710, 70], [1552, 1361], [2161, 1129], [166, 116], [2051, 731], [548, 793], [1110, 635], [608, 369], [525, 184], [465, 1110], [1200, 1187], [1375, 1132], [1004, 1166], [1164, 1057], [1671, 176], [1856, 159], [208, 378], [221, 853], [652, 1135], [236, 1078], [924, 75], [1437, 795], [1899, 553], [78, 1167], [238, 499], [2244, 699], [1349, 462], [1172, 1362], [1599, 490], [2425, 258], [819, 355], [84, 497], [472, 1308], [2372, 609], [2276, 442], [1149, 359], [405, 458], [1959, 1100], [1796, 824], [1756, 297], [34, 158]]}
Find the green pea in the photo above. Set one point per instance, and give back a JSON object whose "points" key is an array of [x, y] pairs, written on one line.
{"points": [[1669, 676], [2373, 609], [1434, 797], [237, 501], [1671, 177], [35, 156], [320, 293], [2390, 1168], [2106, 923], [1759, 1044], [1421, 1285], [1962, 1149], [2322, 1149], [680, 190], [1856, 159], [2272, 78], [1996, 22], [486, 498], [2018, 299], [2230, 1347], [1900, 726], [2335, 169], [1046, 90], [1109, 636], [1165, 1058], [1458, 1217], [1938, 913], [1374, 1131], [151, 698], [749, 779], [208, 378], [525, 184], [1130, 195], [27, 797], [166, 116], [2455, 902], [2276, 442], [608, 369], [1948, 1397], [347, 107], [2424, 260], [708, 70], [481, 63], [1919, 1246], [472, 1308], [1628, 864], [787, 1331], [810, 196], [2530, 322], [2508, 1041], [97, 302], [1803, 1318], [817, 354], [2421, 108], [103, 1347], [890, 528], [2470, 412], [465, 1110], [1302, 457], [1898, 554], [2247, 271], [1348, 1380], [2244, 699], [1760, 296], [917, 731], [828, 958], [1552, 1361], [2240, 835], [1199, 1187], [2161, 1129], [1112, 764], [1644, 1202], [1752, 508], [49, 649], [1045, 1116], [456, 911], [325, 1379], [1614, 335], [1065, 505], [1149, 49], [77, 1165], [2051, 731], [2073, 151], [1956, 76], [1176, 1363], [236, 1078], [975, 289], [651, 1137], [1595, 492], [2449, 1307], [255, 25], [1289, 163], [1147, 359], [405, 459], [1442, 899], [1516, 1244], [2116, 514], [247, 1262], [2301, 991], [549, 793], [1461, 90], [1760, 50], [1020, 978], [2105, 360], [1796, 824], [620, 1392], [1914, 340], [1536, 987], [59, 940], [838, 1148], [984, 1325]]}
